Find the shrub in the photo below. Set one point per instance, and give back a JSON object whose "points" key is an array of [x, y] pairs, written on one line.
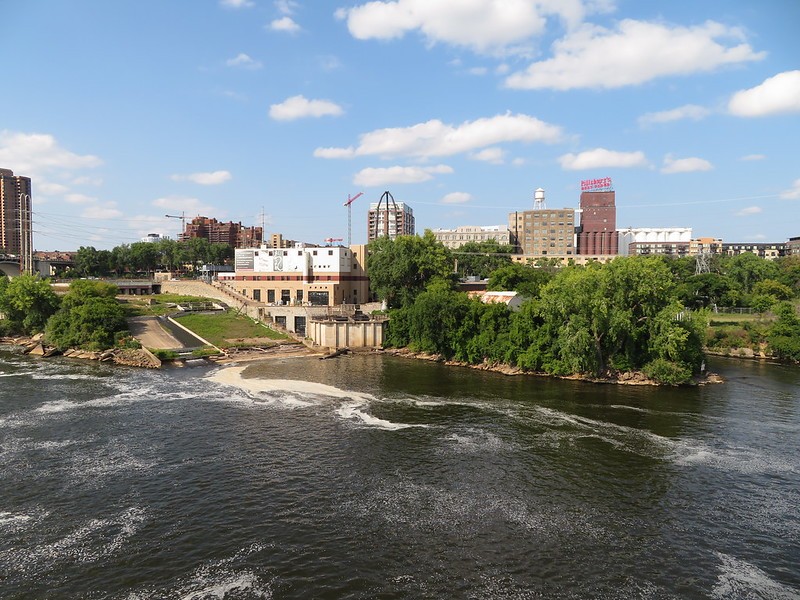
{"points": [[667, 372]]}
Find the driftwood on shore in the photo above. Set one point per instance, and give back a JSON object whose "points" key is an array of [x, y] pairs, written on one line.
{"points": [[335, 353]]}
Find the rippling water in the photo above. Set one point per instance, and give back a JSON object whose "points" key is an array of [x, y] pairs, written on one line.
{"points": [[380, 477]]}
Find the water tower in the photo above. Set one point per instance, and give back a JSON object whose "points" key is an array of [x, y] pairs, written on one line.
{"points": [[538, 199]]}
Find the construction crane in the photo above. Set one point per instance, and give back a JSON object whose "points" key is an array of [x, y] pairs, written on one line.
{"points": [[329, 241], [182, 217], [349, 219]]}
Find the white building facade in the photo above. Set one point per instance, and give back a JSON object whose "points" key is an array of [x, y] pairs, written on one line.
{"points": [[455, 238]]}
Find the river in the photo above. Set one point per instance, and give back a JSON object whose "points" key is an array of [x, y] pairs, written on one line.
{"points": [[382, 477]]}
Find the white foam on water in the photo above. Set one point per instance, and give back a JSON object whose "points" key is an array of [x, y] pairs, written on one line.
{"points": [[740, 579], [292, 393], [7, 518], [477, 441], [234, 583], [88, 543], [690, 453]]}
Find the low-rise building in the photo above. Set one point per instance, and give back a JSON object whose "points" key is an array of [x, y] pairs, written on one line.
{"points": [[768, 251], [455, 238], [301, 276]]}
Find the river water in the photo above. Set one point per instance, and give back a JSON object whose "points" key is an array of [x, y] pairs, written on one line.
{"points": [[381, 477]]}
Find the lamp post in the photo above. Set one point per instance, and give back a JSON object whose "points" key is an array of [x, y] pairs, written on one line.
{"points": [[25, 235]]}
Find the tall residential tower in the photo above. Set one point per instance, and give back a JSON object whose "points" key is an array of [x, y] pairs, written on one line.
{"points": [[16, 233]]}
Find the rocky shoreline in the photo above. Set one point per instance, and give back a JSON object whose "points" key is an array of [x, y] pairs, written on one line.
{"points": [[621, 378], [129, 357]]}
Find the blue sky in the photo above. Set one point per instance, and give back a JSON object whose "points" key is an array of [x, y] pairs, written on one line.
{"points": [[124, 111]]}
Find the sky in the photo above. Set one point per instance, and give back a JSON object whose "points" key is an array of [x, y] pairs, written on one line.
{"points": [[276, 112]]}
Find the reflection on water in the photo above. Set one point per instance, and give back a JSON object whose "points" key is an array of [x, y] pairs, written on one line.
{"points": [[371, 476]]}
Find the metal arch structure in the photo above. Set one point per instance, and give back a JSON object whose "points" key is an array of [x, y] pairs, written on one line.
{"points": [[385, 196]]}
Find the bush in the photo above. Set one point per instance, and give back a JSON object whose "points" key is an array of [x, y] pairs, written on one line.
{"points": [[164, 354], [667, 372]]}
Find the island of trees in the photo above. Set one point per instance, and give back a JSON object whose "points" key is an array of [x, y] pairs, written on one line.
{"points": [[645, 314]]}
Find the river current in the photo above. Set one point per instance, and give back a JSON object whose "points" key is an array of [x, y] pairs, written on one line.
{"points": [[372, 476]]}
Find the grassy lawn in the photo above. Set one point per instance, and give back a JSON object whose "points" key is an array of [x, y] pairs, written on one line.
{"points": [[222, 329]]}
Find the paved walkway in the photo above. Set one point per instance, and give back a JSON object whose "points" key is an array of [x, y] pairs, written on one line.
{"points": [[151, 334]]}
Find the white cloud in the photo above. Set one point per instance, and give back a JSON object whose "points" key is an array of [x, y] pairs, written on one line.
{"points": [[750, 210], [31, 154], [51, 189], [792, 193], [478, 71], [685, 165], [776, 95], [329, 62], [372, 177], [236, 3], [79, 199], [298, 107], [518, 162], [243, 61], [434, 138], [286, 24], [212, 178], [492, 155], [178, 204], [636, 52], [751, 157], [456, 198], [107, 211], [600, 158], [688, 111], [485, 26], [286, 7]]}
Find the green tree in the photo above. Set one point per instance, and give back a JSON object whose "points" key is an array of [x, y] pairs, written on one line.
{"points": [[747, 269], [27, 302], [479, 259], [400, 269], [524, 279], [88, 262], [784, 335], [90, 317], [143, 256]]}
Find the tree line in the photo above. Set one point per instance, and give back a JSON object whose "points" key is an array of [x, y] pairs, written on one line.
{"points": [[148, 257], [633, 313], [88, 316]]}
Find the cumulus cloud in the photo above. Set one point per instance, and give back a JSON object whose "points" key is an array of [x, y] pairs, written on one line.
{"points": [[434, 138], [102, 211], [750, 210], [31, 154], [776, 95], [212, 178], [793, 193], [688, 111], [51, 189], [298, 107], [685, 165], [633, 53], [236, 3], [286, 7], [456, 198], [372, 177], [79, 199], [286, 24], [492, 155], [243, 61], [752, 157], [600, 158]]}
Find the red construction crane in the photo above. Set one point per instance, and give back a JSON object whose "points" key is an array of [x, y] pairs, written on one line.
{"points": [[349, 220]]}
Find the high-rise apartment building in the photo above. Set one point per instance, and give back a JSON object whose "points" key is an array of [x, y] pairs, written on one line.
{"points": [[387, 218], [16, 233]]}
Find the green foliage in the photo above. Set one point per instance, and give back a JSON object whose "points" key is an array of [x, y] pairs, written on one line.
{"points": [[524, 279], [479, 259], [400, 269], [164, 355], [90, 318], [747, 269], [667, 372], [784, 335], [27, 302]]}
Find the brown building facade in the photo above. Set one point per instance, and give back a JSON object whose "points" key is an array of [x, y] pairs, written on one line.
{"points": [[543, 232], [233, 234], [598, 230], [16, 234]]}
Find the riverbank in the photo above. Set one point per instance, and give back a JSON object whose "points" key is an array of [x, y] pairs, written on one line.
{"points": [[620, 378]]}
